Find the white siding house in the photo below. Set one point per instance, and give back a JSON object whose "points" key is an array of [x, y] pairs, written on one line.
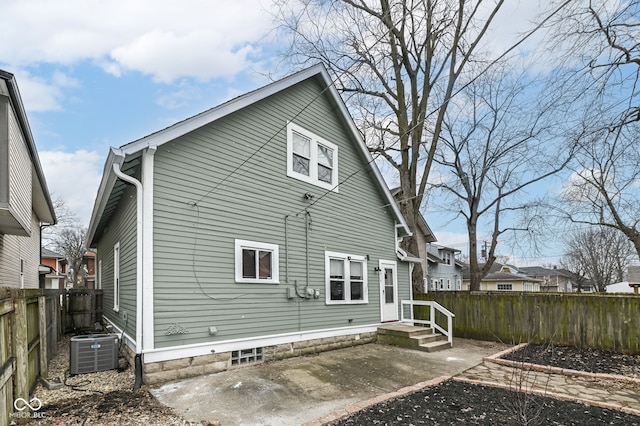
{"points": [[25, 203]]}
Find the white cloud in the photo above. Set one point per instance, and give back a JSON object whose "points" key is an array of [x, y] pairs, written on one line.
{"points": [[456, 240], [38, 94], [193, 38], [73, 176]]}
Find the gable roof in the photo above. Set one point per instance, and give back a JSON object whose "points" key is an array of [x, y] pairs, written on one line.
{"points": [[106, 202], [539, 271], [42, 204]]}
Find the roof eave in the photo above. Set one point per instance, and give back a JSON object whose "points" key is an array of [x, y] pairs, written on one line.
{"points": [[116, 156], [402, 226]]}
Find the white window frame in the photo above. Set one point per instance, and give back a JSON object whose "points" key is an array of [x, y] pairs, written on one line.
{"points": [[504, 285], [328, 255], [99, 277], [116, 277], [254, 245], [313, 161]]}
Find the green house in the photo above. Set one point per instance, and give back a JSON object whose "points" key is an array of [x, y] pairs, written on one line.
{"points": [[258, 229]]}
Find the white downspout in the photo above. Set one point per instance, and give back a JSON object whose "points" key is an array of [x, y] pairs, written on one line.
{"points": [[147, 247], [139, 251]]}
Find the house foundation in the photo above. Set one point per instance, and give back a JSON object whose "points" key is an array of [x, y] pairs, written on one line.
{"points": [[166, 371]]}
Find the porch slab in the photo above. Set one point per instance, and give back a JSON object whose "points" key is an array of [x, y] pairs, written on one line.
{"points": [[303, 389]]}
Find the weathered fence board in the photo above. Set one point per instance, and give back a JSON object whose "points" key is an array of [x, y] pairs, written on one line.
{"points": [[29, 332], [610, 322], [6, 362]]}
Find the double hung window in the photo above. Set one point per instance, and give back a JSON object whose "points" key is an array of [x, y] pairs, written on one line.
{"points": [[346, 278], [311, 158]]}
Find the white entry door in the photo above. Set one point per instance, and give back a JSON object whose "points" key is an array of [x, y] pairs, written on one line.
{"points": [[388, 291]]}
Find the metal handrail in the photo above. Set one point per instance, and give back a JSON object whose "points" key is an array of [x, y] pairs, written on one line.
{"points": [[431, 322]]}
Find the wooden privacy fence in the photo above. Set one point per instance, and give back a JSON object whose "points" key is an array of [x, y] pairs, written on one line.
{"points": [[30, 325], [610, 322]]}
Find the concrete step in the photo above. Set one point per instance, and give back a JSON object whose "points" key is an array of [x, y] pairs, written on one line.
{"points": [[438, 345], [403, 330], [412, 337]]}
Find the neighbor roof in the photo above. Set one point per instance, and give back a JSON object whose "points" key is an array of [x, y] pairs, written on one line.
{"points": [[429, 236], [107, 198], [541, 271], [51, 254]]}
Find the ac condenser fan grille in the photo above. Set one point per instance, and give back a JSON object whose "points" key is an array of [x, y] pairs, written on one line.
{"points": [[93, 352]]}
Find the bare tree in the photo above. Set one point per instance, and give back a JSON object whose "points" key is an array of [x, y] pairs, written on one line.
{"points": [[70, 242], [398, 62], [494, 146], [602, 50], [603, 190], [65, 218], [601, 255]]}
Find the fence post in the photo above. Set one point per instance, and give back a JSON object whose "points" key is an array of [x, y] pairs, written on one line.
{"points": [[42, 314], [20, 345]]}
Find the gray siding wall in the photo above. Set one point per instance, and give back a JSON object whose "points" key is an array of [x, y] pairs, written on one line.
{"points": [[194, 285], [20, 185], [442, 271], [122, 229], [13, 249]]}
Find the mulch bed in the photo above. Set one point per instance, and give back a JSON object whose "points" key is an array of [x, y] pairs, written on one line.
{"points": [[454, 402], [569, 357]]}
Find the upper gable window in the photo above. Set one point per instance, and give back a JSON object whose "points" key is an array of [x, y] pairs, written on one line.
{"points": [[311, 158]]}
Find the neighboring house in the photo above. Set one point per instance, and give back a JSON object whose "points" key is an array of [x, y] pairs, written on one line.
{"points": [[621, 287], [554, 279], [259, 227], [423, 234], [504, 278], [630, 286], [25, 203], [89, 269], [54, 267], [445, 271]]}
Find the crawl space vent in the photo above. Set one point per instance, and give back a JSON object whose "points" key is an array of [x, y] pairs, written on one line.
{"points": [[93, 352]]}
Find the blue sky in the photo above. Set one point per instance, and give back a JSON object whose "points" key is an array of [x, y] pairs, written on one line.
{"points": [[101, 73]]}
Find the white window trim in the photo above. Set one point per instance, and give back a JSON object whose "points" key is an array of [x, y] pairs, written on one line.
{"points": [[328, 255], [275, 262], [99, 277], [116, 277], [313, 161]]}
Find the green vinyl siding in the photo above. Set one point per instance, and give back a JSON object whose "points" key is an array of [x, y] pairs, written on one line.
{"points": [[122, 230], [228, 180]]}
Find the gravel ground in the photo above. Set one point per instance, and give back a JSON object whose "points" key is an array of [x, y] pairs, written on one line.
{"points": [[107, 398], [102, 398]]}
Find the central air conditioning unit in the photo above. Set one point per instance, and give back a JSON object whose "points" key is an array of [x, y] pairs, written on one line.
{"points": [[93, 352]]}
